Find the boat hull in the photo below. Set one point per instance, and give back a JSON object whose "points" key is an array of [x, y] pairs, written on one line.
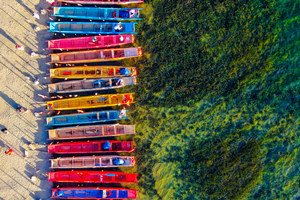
{"points": [[94, 13], [102, 55], [80, 132], [93, 193], [92, 72], [92, 177], [91, 147], [104, 2], [92, 162], [86, 118], [98, 101], [109, 28], [88, 43], [91, 85]]}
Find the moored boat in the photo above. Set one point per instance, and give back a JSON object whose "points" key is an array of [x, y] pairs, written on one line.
{"points": [[86, 118], [95, 13], [98, 101], [92, 72], [91, 42], [92, 177], [104, 2], [110, 28], [93, 162], [80, 132], [108, 146], [93, 193], [91, 84], [102, 55]]}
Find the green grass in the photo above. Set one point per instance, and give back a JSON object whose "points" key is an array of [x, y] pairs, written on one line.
{"points": [[217, 110]]}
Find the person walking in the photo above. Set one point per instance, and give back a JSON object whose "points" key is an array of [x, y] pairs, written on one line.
{"points": [[9, 152], [4, 130]]}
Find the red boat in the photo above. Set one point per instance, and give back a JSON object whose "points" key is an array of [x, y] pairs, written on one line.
{"points": [[93, 193], [93, 162], [91, 147], [91, 42], [105, 2], [92, 177]]}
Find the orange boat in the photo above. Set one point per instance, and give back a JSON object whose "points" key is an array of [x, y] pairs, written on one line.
{"points": [[92, 177], [91, 42], [98, 101], [96, 55], [92, 72]]}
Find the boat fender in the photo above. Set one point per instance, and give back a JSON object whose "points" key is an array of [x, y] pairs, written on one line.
{"points": [[111, 72], [121, 38], [59, 193], [114, 14]]}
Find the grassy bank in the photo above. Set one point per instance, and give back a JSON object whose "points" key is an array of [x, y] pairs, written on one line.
{"points": [[217, 113]]}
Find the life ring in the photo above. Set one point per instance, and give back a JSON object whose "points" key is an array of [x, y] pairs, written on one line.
{"points": [[111, 72], [108, 193], [59, 193]]}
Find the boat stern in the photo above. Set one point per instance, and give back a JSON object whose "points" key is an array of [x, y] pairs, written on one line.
{"points": [[54, 58], [52, 149], [132, 194], [49, 121], [51, 176], [51, 88], [132, 163], [52, 134], [140, 52]]}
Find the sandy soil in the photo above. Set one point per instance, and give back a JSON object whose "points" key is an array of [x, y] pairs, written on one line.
{"points": [[18, 71]]}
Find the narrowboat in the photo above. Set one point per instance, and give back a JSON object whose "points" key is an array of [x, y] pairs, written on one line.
{"points": [[86, 118], [92, 177], [103, 2], [108, 28], [91, 84], [93, 193], [85, 132], [107, 146], [84, 72], [98, 101], [95, 13], [102, 55], [93, 162], [90, 42]]}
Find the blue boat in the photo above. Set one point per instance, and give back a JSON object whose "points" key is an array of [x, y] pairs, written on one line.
{"points": [[86, 118], [113, 14], [93, 193], [93, 27]]}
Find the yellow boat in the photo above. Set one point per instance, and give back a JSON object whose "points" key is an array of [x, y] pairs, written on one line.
{"points": [[97, 101], [92, 72]]}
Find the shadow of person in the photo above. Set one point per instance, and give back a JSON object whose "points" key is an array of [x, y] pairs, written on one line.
{"points": [[8, 100]]}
